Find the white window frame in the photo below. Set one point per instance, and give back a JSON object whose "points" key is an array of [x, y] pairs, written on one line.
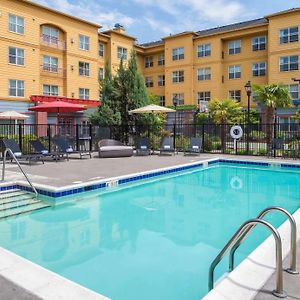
{"points": [[204, 50], [178, 76], [100, 73], [178, 53], [101, 50], [237, 72], [84, 42], [51, 65], [17, 58], [122, 53], [288, 63], [148, 61], [294, 91], [234, 47], [161, 59], [203, 96], [50, 90], [84, 93], [259, 43], [17, 25], [84, 68], [52, 36], [287, 36], [161, 80], [259, 69], [204, 74], [18, 86]]}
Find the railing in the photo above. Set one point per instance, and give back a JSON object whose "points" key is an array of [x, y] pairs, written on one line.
{"points": [[7, 150], [278, 292], [52, 70], [293, 248], [53, 42]]}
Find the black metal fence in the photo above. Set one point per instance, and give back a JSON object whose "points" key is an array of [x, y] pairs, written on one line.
{"points": [[278, 140]]}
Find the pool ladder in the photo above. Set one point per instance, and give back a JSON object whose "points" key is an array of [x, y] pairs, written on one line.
{"points": [[240, 235]]}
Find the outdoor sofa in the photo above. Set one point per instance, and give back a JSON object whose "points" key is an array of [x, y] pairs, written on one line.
{"points": [[112, 148]]}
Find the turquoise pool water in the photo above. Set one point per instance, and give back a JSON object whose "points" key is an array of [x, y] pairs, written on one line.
{"points": [[156, 239]]}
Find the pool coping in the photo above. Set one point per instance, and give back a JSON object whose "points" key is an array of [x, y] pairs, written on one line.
{"points": [[45, 284]]}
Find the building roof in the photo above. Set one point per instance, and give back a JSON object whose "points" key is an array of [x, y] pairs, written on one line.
{"points": [[59, 12], [231, 27], [284, 12], [152, 44], [108, 32]]}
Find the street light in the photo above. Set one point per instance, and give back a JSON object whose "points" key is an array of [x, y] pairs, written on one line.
{"points": [[249, 92]]}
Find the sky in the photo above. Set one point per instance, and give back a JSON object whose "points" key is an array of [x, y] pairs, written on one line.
{"points": [[150, 20]]}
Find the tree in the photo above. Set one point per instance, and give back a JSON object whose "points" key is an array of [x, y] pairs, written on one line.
{"points": [[222, 112], [271, 97], [107, 114]]}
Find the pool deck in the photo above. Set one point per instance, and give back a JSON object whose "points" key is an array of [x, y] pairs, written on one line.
{"points": [[78, 171]]}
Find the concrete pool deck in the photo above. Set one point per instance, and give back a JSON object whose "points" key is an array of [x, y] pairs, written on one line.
{"points": [[78, 171]]}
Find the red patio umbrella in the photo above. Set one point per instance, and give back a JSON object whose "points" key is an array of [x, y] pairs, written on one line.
{"points": [[58, 107]]}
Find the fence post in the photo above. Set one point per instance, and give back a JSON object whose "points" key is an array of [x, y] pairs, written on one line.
{"points": [[91, 136], [77, 136], [20, 137], [49, 137], [174, 136], [203, 137], [274, 137]]}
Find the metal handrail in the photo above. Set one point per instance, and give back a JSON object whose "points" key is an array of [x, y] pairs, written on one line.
{"points": [[279, 292], [292, 269], [16, 160]]}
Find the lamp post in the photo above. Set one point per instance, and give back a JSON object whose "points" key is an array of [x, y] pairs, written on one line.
{"points": [[248, 92], [175, 103]]}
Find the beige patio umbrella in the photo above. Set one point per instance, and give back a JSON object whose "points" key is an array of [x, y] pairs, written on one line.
{"points": [[152, 108], [12, 115]]}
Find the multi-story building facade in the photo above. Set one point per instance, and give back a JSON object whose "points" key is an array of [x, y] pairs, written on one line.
{"points": [[46, 54]]}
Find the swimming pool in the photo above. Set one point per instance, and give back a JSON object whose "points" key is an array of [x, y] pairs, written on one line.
{"points": [[153, 239]]}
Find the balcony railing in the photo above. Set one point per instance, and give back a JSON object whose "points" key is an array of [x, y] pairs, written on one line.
{"points": [[53, 71], [53, 42]]}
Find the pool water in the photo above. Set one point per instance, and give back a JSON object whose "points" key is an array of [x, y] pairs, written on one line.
{"points": [[156, 239]]}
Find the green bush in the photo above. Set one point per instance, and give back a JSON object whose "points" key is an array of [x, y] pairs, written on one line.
{"points": [[257, 135], [208, 144]]}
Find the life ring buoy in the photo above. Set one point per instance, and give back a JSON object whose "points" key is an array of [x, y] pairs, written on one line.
{"points": [[236, 183], [236, 132]]}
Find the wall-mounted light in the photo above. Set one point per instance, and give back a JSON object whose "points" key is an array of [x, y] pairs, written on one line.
{"points": [[72, 41], [72, 68], [73, 95]]}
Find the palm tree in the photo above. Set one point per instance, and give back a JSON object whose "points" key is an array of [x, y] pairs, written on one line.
{"points": [[222, 112], [272, 96]]}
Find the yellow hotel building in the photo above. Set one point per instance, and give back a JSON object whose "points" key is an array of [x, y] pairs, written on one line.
{"points": [[47, 54]]}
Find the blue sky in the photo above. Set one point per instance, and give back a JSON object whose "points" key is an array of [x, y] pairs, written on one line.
{"points": [[149, 20]]}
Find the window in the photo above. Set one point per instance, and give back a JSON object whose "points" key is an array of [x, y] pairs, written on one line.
{"points": [[16, 88], [50, 90], [288, 63], [203, 96], [84, 42], [148, 61], [50, 35], [294, 90], [259, 69], [101, 49], [161, 59], [288, 35], [50, 63], [162, 100], [149, 82], [161, 80], [122, 53], [16, 24], [234, 47], [236, 95], [101, 74], [16, 56], [204, 50], [178, 76], [84, 69], [84, 94], [259, 43], [178, 53], [204, 74], [234, 72], [179, 97]]}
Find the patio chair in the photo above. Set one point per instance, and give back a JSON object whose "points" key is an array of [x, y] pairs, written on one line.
{"points": [[111, 148], [39, 148], [14, 147], [167, 146], [66, 148], [143, 146], [195, 146]]}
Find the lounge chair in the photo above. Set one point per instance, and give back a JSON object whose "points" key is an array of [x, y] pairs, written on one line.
{"points": [[143, 146], [195, 146], [167, 145], [14, 147], [66, 148], [39, 148], [112, 148]]}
